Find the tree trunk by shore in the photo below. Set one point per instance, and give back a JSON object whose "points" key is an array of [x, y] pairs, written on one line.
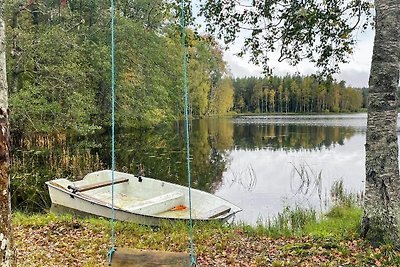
{"points": [[382, 186], [6, 242]]}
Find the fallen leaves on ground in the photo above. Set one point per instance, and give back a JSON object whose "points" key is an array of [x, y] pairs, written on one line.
{"points": [[81, 243]]}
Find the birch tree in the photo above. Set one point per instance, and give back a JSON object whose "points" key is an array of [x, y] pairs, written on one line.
{"points": [[382, 185], [6, 244]]}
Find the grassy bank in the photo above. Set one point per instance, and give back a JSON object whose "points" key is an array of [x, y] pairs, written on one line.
{"points": [[295, 238]]}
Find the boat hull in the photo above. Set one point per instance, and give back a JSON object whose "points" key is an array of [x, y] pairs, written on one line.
{"points": [[88, 203]]}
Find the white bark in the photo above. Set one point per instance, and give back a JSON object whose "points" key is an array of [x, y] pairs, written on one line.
{"points": [[382, 186], [6, 243], [3, 71]]}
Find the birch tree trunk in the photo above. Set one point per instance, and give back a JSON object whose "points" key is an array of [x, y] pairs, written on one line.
{"points": [[382, 186], [6, 243]]}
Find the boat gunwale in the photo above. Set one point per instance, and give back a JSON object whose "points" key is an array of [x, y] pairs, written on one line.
{"points": [[93, 200]]}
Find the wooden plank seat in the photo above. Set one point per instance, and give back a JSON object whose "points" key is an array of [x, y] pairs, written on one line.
{"points": [[88, 187], [157, 204], [214, 213], [127, 257]]}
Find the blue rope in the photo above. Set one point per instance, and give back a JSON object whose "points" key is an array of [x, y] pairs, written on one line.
{"points": [[192, 256], [112, 249]]}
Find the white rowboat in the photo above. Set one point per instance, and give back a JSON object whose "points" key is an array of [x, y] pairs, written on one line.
{"points": [[139, 199]]}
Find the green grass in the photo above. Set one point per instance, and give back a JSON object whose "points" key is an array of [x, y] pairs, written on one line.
{"points": [[340, 222], [39, 220]]}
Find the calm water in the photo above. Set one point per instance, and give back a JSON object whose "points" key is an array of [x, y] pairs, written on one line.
{"points": [[262, 178], [250, 161]]}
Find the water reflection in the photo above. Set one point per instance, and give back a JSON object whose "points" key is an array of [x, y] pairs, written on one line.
{"points": [[158, 153], [306, 182], [246, 178], [161, 153], [290, 136], [249, 162]]}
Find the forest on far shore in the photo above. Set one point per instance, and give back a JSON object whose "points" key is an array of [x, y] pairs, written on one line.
{"points": [[295, 94]]}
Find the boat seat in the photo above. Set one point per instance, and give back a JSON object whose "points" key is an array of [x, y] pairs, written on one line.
{"points": [[157, 204], [214, 213], [88, 187]]}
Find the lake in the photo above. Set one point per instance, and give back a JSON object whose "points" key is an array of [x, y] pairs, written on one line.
{"points": [[265, 165], [260, 163]]}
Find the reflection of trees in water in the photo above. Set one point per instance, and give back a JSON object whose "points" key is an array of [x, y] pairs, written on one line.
{"points": [[163, 157], [290, 136], [159, 152]]}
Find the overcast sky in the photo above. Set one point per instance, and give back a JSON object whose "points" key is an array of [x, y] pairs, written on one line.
{"points": [[355, 73]]}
